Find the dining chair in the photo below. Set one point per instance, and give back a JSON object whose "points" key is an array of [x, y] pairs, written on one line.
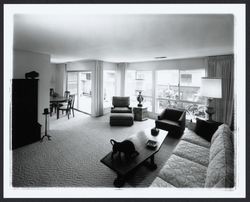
{"points": [[66, 94], [65, 108], [72, 97]]}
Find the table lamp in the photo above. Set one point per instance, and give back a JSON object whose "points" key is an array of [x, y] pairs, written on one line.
{"points": [[139, 89], [211, 88]]}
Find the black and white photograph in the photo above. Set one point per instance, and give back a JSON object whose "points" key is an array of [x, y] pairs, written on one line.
{"points": [[124, 100]]}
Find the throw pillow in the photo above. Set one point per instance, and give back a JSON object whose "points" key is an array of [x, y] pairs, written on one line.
{"points": [[206, 129]]}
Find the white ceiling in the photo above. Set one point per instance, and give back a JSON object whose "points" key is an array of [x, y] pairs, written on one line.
{"points": [[124, 38]]}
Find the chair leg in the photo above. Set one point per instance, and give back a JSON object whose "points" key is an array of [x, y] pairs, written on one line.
{"points": [[73, 112], [67, 113]]}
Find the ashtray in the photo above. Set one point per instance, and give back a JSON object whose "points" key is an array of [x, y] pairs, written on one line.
{"points": [[151, 144], [154, 131]]}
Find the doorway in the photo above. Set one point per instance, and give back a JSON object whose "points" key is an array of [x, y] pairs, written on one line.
{"points": [[80, 84]]}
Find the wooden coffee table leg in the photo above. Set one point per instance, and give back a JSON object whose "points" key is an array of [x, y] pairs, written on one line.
{"points": [[152, 164], [119, 181]]}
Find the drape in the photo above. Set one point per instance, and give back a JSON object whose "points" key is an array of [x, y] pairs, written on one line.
{"points": [[98, 89], [223, 67]]}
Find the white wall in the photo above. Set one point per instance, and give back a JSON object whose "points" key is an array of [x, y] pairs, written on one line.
{"points": [[25, 61], [84, 65], [189, 63], [53, 76], [60, 84], [109, 66]]}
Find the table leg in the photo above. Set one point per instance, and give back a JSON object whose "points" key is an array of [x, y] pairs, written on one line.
{"points": [[152, 164], [119, 181], [57, 111]]}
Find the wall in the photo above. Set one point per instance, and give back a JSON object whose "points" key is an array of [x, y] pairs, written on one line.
{"points": [[53, 76], [190, 63], [84, 65], [109, 66], [25, 61], [60, 83]]}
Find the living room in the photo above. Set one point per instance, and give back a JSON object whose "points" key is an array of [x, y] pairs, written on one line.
{"points": [[160, 61]]}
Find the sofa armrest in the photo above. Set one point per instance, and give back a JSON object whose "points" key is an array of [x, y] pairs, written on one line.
{"points": [[182, 120], [161, 115], [130, 108]]}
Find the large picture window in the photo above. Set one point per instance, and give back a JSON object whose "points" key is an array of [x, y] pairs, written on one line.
{"points": [[139, 81], [180, 89]]}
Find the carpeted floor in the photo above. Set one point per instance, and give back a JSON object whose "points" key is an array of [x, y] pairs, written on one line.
{"points": [[72, 157]]}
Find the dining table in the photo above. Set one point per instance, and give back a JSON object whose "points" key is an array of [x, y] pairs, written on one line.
{"points": [[56, 101]]}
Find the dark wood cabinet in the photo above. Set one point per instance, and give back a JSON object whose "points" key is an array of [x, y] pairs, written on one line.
{"points": [[25, 128]]}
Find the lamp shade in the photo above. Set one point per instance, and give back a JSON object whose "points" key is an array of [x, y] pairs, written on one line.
{"points": [[140, 85], [211, 87]]}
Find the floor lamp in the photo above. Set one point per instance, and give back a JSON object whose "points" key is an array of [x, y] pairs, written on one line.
{"points": [[211, 88], [45, 113]]}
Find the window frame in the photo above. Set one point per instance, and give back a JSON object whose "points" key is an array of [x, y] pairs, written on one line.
{"points": [[179, 100]]}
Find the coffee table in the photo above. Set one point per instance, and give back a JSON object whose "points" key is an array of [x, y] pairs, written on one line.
{"points": [[123, 167]]}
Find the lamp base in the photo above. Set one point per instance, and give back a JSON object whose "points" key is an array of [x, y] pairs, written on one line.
{"points": [[139, 99], [210, 111]]}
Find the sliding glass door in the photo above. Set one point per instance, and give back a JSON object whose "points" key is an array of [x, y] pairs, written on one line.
{"points": [[79, 84]]}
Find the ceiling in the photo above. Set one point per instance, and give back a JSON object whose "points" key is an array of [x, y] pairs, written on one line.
{"points": [[124, 38]]}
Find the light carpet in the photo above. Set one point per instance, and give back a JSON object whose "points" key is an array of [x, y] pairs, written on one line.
{"points": [[72, 157]]}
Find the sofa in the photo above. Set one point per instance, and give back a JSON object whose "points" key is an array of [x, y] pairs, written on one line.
{"points": [[197, 162]]}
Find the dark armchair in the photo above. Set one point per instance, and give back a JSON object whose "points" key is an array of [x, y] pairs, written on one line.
{"points": [[172, 120], [121, 105]]}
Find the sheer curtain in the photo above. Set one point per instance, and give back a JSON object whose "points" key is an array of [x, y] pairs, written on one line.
{"points": [[223, 67], [98, 89]]}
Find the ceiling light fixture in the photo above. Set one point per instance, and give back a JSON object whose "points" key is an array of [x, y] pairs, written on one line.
{"points": [[161, 57]]}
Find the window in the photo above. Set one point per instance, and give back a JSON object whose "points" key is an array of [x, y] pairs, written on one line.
{"points": [[108, 87], [139, 81], [180, 89]]}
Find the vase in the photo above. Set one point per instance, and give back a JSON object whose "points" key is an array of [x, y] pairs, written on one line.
{"points": [[139, 99]]}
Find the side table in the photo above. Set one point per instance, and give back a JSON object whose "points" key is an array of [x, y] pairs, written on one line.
{"points": [[140, 113]]}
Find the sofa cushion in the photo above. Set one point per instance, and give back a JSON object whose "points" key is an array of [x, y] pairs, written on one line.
{"points": [[121, 119], [167, 124], [220, 170], [120, 101], [158, 182], [224, 128], [206, 129], [121, 110], [191, 136], [173, 114], [121, 116], [181, 172], [222, 140], [192, 152]]}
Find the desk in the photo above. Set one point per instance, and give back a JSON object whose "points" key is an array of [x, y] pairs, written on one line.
{"points": [[57, 101]]}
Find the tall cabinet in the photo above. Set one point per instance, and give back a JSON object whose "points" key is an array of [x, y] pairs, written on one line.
{"points": [[25, 128]]}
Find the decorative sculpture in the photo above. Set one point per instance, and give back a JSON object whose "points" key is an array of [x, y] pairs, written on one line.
{"points": [[127, 147], [31, 75]]}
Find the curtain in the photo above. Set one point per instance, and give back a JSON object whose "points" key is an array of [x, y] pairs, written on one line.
{"points": [[98, 89], [223, 67]]}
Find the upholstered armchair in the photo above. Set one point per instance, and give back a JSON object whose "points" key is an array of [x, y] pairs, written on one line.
{"points": [[172, 120], [121, 105]]}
